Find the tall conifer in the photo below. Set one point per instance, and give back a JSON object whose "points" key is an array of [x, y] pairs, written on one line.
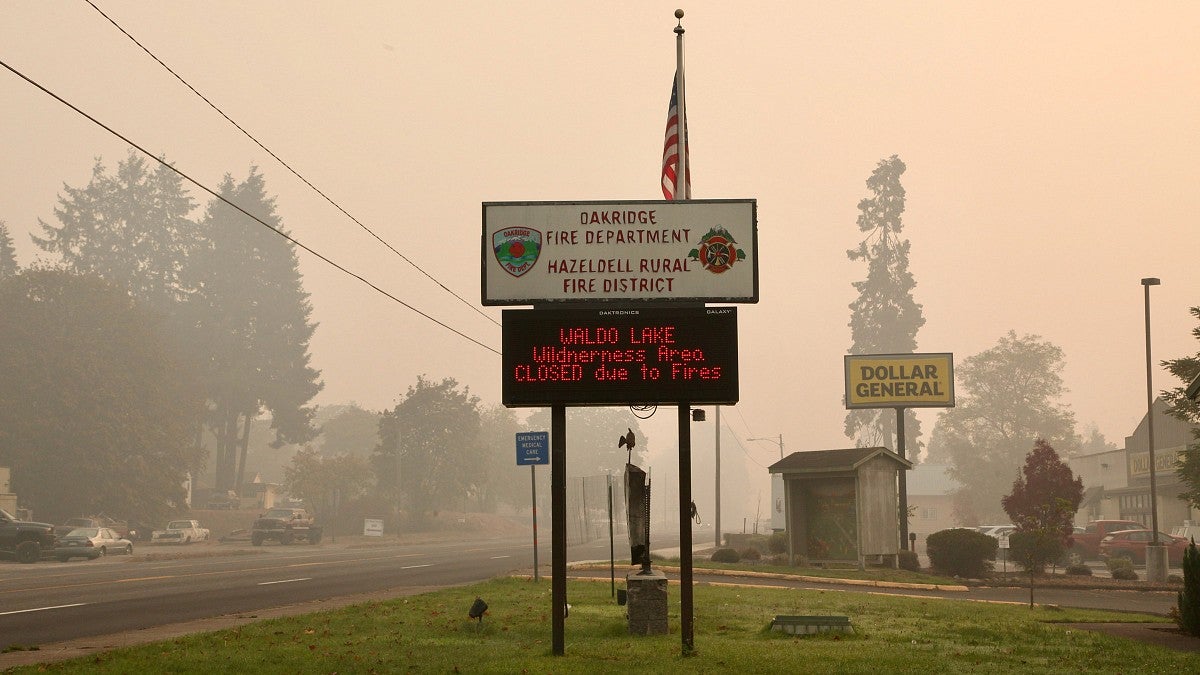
{"points": [[885, 318]]}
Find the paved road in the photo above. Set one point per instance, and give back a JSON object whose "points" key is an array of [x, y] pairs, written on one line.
{"points": [[54, 602], [51, 602]]}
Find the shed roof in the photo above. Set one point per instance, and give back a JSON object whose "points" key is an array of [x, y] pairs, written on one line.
{"points": [[845, 459]]}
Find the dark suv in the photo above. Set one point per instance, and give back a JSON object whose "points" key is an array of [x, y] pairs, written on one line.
{"points": [[26, 542], [285, 525]]}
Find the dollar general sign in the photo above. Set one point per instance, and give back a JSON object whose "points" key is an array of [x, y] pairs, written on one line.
{"points": [[900, 381]]}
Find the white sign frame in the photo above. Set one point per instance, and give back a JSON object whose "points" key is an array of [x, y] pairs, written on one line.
{"points": [[698, 250]]}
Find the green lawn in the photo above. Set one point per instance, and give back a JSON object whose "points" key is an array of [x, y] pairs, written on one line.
{"points": [[431, 633]]}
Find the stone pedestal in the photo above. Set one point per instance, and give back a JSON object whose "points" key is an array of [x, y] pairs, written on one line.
{"points": [[646, 606], [1156, 563]]}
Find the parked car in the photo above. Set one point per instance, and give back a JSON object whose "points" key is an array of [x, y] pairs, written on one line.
{"points": [[180, 532], [91, 542], [1132, 544], [27, 542], [121, 527], [1086, 545], [1188, 530]]}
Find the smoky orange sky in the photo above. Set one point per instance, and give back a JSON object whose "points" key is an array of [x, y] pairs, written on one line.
{"points": [[1051, 149]]}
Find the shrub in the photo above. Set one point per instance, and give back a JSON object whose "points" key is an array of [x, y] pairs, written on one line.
{"points": [[1118, 562], [1189, 597], [750, 554], [909, 561], [726, 555], [778, 542], [1125, 574], [1079, 570], [1034, 550], [961, 552]]}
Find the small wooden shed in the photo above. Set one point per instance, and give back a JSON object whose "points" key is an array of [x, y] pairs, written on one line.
{"points": [[842, 505]]}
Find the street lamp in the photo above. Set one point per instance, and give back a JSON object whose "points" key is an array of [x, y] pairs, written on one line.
{"points": [[776, 442], [1154, 551]]}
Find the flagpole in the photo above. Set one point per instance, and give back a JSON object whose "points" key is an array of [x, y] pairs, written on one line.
{"points": [[682, 191], [682, 187]]}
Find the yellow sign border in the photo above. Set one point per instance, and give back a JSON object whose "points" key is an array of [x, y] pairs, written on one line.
{"points": [[942, 395]]}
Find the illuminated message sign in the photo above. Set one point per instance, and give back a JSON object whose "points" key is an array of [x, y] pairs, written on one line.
{"points": [[631, 251], [900, 381], [620, 356]]}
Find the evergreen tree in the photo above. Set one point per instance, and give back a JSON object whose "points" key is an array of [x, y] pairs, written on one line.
{"points": [[1189, 598], [884, 319], [8, 254], [1187, 368], [251, 320], [130, 228], [1007, 399]]}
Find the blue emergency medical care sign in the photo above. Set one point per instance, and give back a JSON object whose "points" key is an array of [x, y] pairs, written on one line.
{"points": [[533, 447]]}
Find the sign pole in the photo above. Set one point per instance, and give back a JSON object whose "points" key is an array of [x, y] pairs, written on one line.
{"points": [[533, 484], [685, 529], [612, 551], [558, 525], [903, 481]]}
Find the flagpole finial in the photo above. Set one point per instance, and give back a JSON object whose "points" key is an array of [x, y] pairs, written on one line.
{"points": [[679, 17]]}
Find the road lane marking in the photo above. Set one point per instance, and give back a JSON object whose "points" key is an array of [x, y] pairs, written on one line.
{"points": [[498, 557], [413, 567], [283, 581], [214, 573], [42, 609]]}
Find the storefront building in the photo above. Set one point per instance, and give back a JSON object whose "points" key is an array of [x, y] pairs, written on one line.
{"points": [[1117, 483]]}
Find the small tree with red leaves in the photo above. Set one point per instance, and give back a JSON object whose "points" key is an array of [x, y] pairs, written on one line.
{"points": [[1042, 505]]}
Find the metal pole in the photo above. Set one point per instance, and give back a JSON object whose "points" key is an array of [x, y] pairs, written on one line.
{"points": [[612, 551], [903, 480], [558, 525], [685, 529], [1147, 283], [682, 190], [780, 446], [717, 514], [533, 485]]}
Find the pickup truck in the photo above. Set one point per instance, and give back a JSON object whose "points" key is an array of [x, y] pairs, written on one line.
{"points": [[180, 532], [285, 525], [1086, 545], [26, 542], [121, 527]]}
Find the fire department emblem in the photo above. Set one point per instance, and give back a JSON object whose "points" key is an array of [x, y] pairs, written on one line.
{"points": [[717, 251], [517, 249]]}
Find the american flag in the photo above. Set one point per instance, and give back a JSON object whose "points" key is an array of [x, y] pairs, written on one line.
{"points": [[670, 162]]}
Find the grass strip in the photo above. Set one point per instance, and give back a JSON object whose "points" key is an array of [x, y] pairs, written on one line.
{"points": [[431, 633]]}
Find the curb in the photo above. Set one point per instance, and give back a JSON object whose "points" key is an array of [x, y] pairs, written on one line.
{"points": [[797, 577]]}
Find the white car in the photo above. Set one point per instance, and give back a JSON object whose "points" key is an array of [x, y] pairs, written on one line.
{"points": [[180, 532]]}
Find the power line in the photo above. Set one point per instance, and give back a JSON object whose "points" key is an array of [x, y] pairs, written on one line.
{"points": [[249, 215], [740, 446], [288, 166]]}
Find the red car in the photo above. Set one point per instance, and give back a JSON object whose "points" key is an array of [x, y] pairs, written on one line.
{"points": [[1132, 544]]}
